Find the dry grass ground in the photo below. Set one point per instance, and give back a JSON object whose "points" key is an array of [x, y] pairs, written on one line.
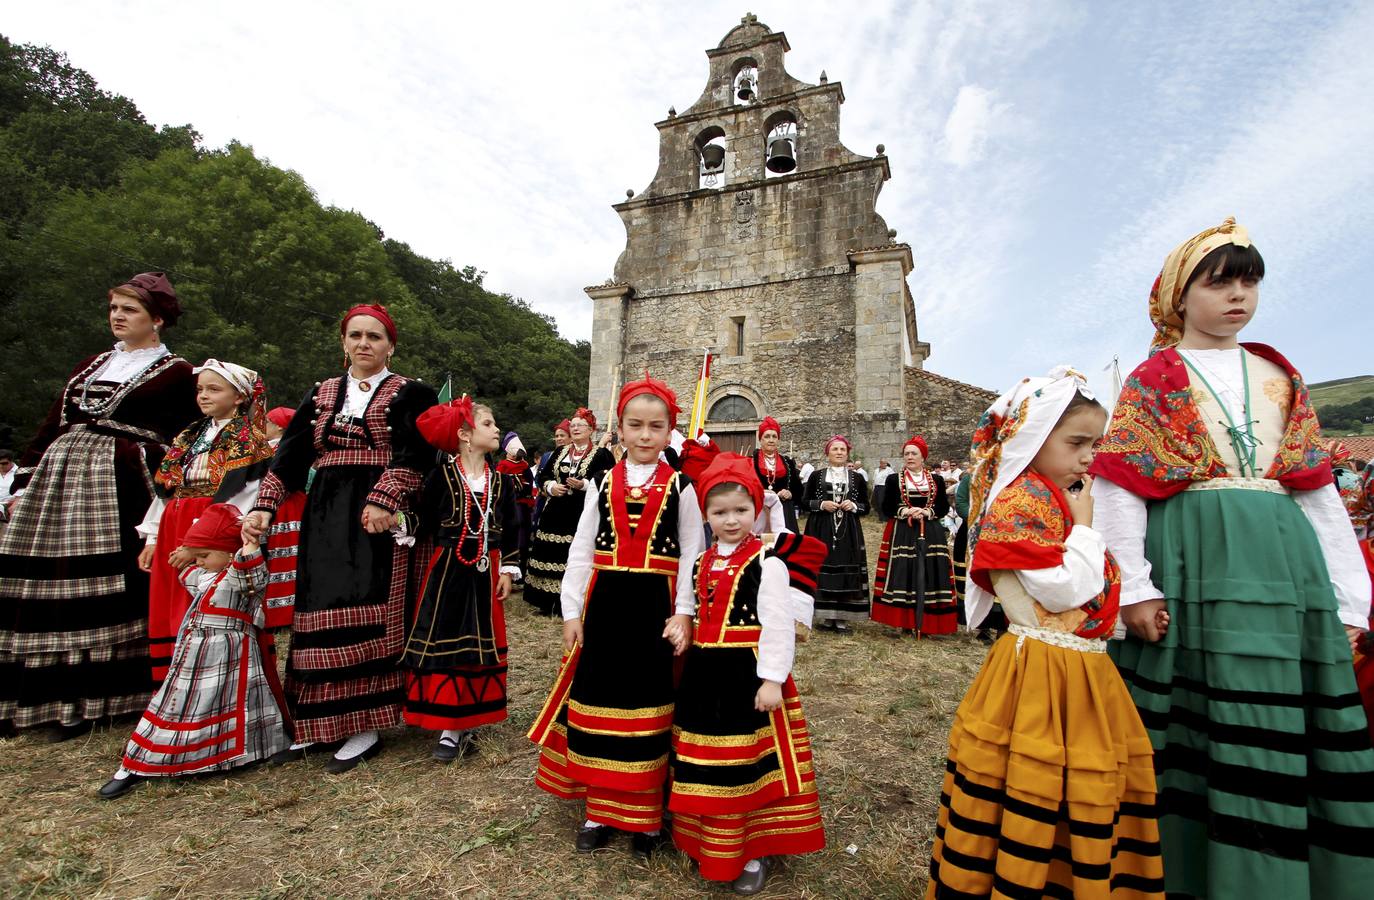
{"points": [[403, 826]]}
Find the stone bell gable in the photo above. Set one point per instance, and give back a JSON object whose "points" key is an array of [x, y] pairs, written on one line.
{"points": [[758, 239]]}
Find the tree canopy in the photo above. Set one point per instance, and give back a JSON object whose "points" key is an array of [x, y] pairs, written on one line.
{"points": [[91, 193]]}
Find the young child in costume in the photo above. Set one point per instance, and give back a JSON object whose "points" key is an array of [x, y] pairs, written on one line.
{"points": [[627, 608], [743, 787], [1216, 498], [221, 705], [1049, 789], [455, 653]]}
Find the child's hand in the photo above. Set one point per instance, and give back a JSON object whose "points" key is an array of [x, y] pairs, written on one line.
{"points": [[572, 634], [1144, 619], [1354, 634], [146, 557], [1081, 503], [769, 697], [250, 546], [503, 585], [678, 632], [180, 558]]}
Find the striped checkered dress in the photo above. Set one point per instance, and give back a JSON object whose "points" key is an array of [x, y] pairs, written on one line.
{"points": [[220, 706]]}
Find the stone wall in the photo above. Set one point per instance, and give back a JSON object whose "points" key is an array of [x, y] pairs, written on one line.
{"points": [[944, 411]]}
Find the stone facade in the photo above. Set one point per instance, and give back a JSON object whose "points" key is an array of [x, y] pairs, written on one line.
{"points": [[792, 280]]}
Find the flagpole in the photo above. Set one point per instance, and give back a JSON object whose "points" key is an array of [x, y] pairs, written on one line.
{"points": [[698, 423]]}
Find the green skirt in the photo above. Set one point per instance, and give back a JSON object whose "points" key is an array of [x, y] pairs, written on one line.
{"points": [[1263, 760]]}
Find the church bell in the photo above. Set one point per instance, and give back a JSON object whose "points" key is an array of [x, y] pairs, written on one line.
{"points": [[712, 158], [781, 157], [746, 89]]}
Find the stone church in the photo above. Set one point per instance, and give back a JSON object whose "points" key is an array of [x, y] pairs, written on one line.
{"points": [[758, 240]]}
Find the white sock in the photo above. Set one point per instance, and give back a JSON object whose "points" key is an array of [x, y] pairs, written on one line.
{"points": [[453, 734], [590, 824], [121, 773], [356, 744], [301, 745], [752, 866]]}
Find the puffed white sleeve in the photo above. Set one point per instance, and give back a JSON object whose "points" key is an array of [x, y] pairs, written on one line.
{"points": [[1120, 516], [1341, 550], [1073, 582], [691, 540], [152, 519], [777, 641], [578, 574]]}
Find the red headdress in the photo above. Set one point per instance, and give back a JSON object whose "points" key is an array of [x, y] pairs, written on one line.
{"points": [[1340, 452], [376, 311], [730, 468], [280, 416], [585, 415], [842, 439], [440, 423], [157, 295], [769, 424], [652, 386], [564, 426], [218, 528], [919, 443]]}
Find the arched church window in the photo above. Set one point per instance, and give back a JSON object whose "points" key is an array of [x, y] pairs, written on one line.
{"points": [[733, 408], [780, 143], [710, 148], [744, 87]]}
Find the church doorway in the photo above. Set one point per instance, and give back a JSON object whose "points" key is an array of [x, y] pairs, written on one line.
{"points": [[732, 423]]}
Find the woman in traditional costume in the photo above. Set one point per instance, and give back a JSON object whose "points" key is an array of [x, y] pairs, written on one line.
{"points": [[1049, 789], [560, 440], [221, 705], [357, 431], [562, 482], [455, 653], [73, 600], [836, 497], [219, 458], [1215, 495], [913, 588], [743, 785], [782, 485]]}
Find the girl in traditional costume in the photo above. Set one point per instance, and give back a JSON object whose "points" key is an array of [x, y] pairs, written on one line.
{"points": [[563, 481], [743, 786], [283, 537], [837, 496], [73, 600], [455, 653], [1049, 789], [1215, 495], [221, 705], [357, 431], [782, 485], [913, 588], [605, 728], [219, 458]]}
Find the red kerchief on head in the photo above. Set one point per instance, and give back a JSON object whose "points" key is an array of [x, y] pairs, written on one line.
{"points": [[280, 416], [769, 424], [919, 443], [440, 423], [158, 296], [376, 311], [564, 426], [585, 415], [652, 386], [218, 528], [730, 468], [841, 439]]}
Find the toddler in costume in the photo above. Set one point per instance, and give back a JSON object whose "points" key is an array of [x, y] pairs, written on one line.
{"points": [[627, 603], [221, 706], [743, 787], [1049, 789]]}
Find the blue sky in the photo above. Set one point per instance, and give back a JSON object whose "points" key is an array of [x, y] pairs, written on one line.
{"points": [[1045, 155]]}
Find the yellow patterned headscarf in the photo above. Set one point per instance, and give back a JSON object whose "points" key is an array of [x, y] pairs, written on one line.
{"points": [[1178, 268]]}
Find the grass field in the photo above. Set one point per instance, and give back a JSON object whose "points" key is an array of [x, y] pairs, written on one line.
{"points": [[401, 825], [1342, 390]]}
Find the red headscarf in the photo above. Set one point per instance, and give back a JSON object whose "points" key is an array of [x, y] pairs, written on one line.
{"points": [[157, 295], [376, 311], [769, 424], [280, 416], [564, 426], [584, 414], [919, 443], [842, 439], [652, 386], [730, 468], [440, 423], [218, 528]]}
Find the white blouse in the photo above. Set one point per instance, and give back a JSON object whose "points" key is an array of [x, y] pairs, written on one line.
{"points": [[125, 364], [355, 398], [478, 485], [690, 540], [779, 604]]}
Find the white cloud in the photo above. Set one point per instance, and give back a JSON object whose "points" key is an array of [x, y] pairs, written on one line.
{"points": [[966, 129]]}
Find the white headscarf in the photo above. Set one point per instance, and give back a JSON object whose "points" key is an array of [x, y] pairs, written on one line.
{"points": [[1009, 435], [239, 378]]}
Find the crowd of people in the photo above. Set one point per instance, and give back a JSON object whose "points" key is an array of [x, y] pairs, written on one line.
{"points": [[1220, 745]]}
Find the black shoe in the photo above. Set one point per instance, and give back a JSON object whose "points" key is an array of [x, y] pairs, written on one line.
{"points": [[282, 757], [337, 766], [752, 882], [448, 749], [60, 733], [644, 845], [985, 635], [118, 787], [592, 837]]}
